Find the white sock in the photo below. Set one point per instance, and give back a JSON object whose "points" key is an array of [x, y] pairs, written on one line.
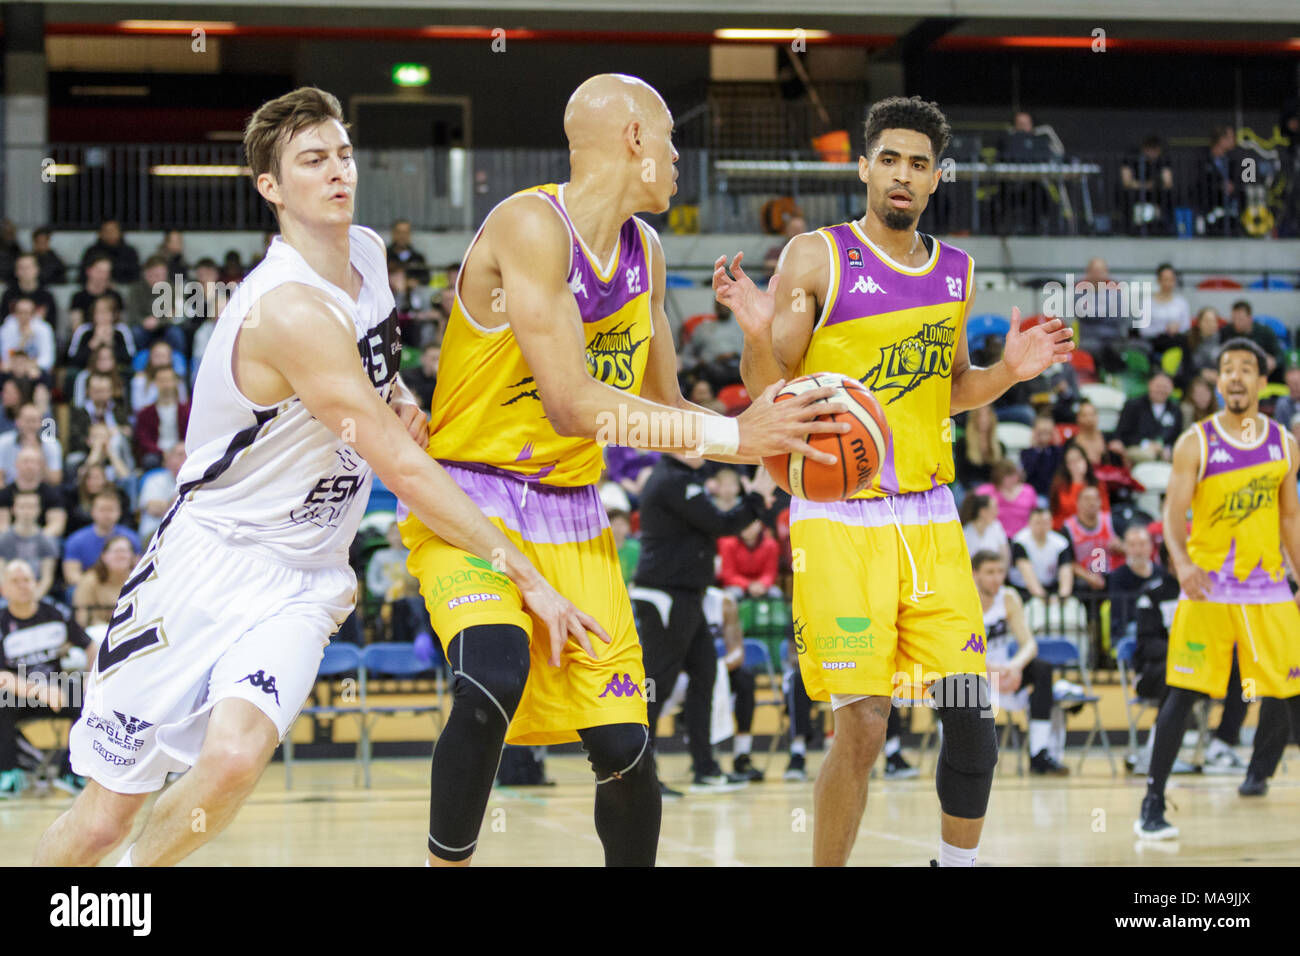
{"points": [[1040, 736], [126, 859], [956, 856], [798, 746], [893, 745], [744, 743], [1216, 747]]}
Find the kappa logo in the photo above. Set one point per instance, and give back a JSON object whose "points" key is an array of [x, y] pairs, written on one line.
{"points": [[267, 684], [868, 284], [578, 287], [1220, 456], [854, 255], [976, 643], [1293, 673], [132, 725], [621, 688]]}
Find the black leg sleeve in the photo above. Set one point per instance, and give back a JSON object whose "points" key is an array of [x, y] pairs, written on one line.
{"points": [[800, 707], [702, 667], [742, 685], [1234, 708], [663, 649], [1169, 736], [1271, 736], [628, 803], [1038, 675]]}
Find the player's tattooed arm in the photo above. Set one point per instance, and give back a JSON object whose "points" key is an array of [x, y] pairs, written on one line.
{"points": [[1026, 355], [778, 323], [1186, 472]]}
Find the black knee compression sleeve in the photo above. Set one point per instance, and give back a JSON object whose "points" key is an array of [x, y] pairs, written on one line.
{"points": [[489, 664], [628, 804], [970, 746]]}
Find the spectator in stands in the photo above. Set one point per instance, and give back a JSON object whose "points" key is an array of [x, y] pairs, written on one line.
{"points": [[9, 249], [1201, 354], [103, 360], [1201, 401], [162, 424], [1023, 206], [1148, 181], [95, 596], [1243, 325], [98, 407], [1219, 199], [1288, 406], [107, 446], [232, 268], [1072, 477], [1139, 575], [629, 468], [24, 331], [1042, 561], [979, 522], [154, 302], [724, 488], [1043, 456], [750, 562], [1089, 437], [125, 260], [91, 480], [29, 477], [104, 328], [1103, 324], [715, 347], [203, 310], [24, 541], [1096, 549], [1167, 318], [701, 393], [979, 449], [423, 379], [83, 547], [52, 268], [628, 545], [419, 321], [97, 282], [144, 391], [1150, 424], [793, 223], [388, 580], [401, 250], [27, 282], [158, 490], [1005, 623], [172, 251], [1015, 498], [13, 395], [29, 432]]}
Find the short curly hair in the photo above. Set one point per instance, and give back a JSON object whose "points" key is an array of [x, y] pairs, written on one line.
{"points": [[907, 112]]}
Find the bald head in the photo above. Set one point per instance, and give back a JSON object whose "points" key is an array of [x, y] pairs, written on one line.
{"points": [[620, 142], [600, 110]]}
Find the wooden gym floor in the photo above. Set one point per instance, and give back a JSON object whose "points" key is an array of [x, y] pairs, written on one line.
{"points": [[1084, 819]]}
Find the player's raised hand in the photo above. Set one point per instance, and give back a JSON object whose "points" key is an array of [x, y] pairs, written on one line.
{"points": [[563, 620], [769, 427], [1030, 352], [1194, 581], [752, 307]]}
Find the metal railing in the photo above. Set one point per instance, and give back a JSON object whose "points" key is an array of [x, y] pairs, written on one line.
{"points": [[156, 187]]}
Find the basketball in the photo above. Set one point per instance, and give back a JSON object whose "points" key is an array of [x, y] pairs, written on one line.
{"points": [[859, 451]]}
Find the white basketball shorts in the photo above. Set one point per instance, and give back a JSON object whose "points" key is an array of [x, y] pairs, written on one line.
{"points": [[198, 622]]}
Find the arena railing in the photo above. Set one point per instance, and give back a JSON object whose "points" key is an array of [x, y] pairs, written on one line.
{"points": [[205, 186]]}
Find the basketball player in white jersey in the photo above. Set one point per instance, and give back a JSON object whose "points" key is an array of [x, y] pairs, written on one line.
{"points": [[217, 635]]}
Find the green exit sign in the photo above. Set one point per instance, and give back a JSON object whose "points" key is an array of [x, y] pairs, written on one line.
{"points": [[410, 74]]}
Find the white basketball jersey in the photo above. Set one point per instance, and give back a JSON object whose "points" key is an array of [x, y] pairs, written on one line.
{"points": [[272, 479], [997, 635]]}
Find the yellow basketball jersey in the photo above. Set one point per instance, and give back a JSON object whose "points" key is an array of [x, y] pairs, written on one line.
{"points": [[896, 329], [1236, 520], [486, 409]]}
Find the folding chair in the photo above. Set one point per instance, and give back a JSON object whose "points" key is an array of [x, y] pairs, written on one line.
{"points": [[759, 659], [339, 659], [396, 659], [1134, 704], [1062, 654]]}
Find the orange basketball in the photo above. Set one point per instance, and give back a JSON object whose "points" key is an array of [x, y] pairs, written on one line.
{"points": [[859, 450]]}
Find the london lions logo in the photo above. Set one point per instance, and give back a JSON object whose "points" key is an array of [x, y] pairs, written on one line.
{"points": [[1240, 503], [610, 355], [907, 363]]}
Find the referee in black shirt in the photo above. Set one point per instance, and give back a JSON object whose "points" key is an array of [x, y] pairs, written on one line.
{"points": [[680, 527]]}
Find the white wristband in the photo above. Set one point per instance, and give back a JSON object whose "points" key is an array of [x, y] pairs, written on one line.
{"points": [[718, 435]]}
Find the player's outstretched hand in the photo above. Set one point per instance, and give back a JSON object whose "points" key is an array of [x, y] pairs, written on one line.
{"points": [[769, 427], [753, 308], [563, 620], [1030, 352], [1194, 581]]}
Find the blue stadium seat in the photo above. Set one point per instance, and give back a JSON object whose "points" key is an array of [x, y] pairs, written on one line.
{"points": [[980, 327], [339, 659], [1279, 328], [1271, 283], [397, 659]]}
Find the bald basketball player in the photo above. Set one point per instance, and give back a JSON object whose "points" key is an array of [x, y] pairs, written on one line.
{"points": [[557, 342]]}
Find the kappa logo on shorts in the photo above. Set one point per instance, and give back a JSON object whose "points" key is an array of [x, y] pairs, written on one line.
{"points": [[115, 759], [266, 683], [621, 688], [1293, 673], [976, 643]]}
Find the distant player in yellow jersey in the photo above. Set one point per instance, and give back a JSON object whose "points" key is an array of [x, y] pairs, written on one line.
{"points": [[884, 600], [558, 340], [1236, 471]]}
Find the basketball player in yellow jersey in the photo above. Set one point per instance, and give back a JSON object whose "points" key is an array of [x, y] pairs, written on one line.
{"points": [[557, 340], [884, 603], [1236, 471]]}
